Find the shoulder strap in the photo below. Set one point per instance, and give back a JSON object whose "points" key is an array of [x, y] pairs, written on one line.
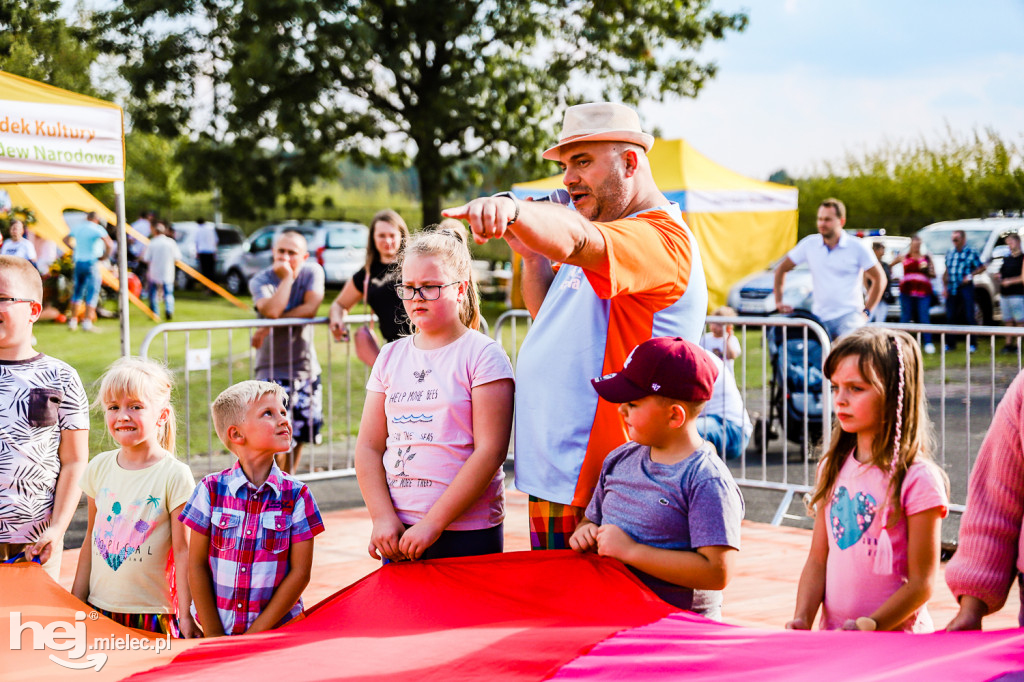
{"points": [[366, 292]]}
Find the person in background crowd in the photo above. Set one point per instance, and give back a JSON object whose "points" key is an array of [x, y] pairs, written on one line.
{"points": [[916, 288], [881, 310], [376, 280], [722, 341], [206, 248], [838, 263], [161, 255], [17, 245], [91, 243], [962, 264], [291, 287], [1012, 290]]}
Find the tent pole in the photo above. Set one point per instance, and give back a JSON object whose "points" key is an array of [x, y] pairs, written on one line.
{"points": [[122, 267]]}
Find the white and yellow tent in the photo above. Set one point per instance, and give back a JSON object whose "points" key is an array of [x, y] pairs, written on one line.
{"points": [[742, 225], [48, 134]]}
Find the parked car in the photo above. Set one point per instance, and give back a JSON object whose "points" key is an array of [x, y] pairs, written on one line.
{"points": [[340, 247], [228, 238], [987, 236], [754, 295]]}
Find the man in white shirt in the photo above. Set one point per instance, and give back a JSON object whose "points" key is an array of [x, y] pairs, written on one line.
{"points": [[161, 255], [837, 262], [206, 248]]}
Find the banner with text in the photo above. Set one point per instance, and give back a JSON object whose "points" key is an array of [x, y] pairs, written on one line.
{"points": [[40, 141]]}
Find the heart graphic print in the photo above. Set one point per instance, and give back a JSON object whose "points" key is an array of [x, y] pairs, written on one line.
{"points": [[850, 517]]}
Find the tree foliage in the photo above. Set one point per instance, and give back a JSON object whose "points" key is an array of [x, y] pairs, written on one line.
{"points": [[268, 91], [904, 186], [35, 42]]}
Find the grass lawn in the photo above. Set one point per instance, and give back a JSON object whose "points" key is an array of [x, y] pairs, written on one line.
{"points": [[91, 354], [344, 376]]}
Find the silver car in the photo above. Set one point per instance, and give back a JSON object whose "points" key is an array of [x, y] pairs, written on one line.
{"points": [[340, 247], [228, 239]]}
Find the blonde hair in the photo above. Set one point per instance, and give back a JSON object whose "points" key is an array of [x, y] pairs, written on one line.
{"points": [[234, 401], [905, 435], [450, 246], [25, 275], [144, 380], [724, 311]]}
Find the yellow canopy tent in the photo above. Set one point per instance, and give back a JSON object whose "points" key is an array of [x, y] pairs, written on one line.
{"points": [[742, 225], [49, 134], [49, 200]]}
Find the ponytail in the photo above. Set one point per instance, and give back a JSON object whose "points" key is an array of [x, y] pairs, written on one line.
{"points": [[450, 245]]}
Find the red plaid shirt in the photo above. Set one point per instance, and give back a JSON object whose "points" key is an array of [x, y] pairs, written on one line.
{"points": [[251, 530]]}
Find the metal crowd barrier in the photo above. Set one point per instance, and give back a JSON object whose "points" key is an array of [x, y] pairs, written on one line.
{"points": [[963, 391], [221, 359]]}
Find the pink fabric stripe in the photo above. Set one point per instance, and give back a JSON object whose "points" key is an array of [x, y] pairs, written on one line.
{"points": [[684, 643]]}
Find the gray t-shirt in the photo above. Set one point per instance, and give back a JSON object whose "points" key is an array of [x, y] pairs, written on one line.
{"points": [[683, 506], [288, 352]]}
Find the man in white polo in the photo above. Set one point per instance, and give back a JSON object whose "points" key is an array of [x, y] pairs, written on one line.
{"points": [[837, 262], [599, 280]]}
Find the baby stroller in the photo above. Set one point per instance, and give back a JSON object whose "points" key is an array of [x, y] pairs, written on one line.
{"points": [[794, 392]]}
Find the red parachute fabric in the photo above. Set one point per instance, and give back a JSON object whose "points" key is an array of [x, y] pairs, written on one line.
{"points": [[515, 616]]}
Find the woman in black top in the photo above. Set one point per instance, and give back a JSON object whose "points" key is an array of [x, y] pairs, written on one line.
{"points": [[388, 233]]}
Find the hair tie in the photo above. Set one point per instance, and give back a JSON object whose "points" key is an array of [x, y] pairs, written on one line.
{"points": [[883, 552]]}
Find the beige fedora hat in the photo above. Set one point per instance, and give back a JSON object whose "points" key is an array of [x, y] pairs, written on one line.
{"points": [[600, 122]]}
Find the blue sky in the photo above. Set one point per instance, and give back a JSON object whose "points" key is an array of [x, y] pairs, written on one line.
{"points": [[810, 80]]}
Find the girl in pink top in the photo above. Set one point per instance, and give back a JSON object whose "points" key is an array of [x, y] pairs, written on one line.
{"points": [[437, 418], [879, 499]]}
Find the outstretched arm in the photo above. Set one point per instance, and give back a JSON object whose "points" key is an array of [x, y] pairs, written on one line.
{"points": [[548, 230]]}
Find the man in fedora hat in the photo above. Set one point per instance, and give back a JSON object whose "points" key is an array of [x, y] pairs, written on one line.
{"points": [[599, 280]]}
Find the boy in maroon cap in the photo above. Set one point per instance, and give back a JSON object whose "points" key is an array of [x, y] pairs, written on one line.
{"points": [[665, 504]]}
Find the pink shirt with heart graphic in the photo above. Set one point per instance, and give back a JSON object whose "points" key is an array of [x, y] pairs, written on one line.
{"points": [[854, 517]]}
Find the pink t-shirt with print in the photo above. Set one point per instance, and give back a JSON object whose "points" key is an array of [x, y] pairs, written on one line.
{"points": [[854, 517], [429, 410]]}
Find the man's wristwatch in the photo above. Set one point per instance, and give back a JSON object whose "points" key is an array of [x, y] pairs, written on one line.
{"points": [[515, 216]]}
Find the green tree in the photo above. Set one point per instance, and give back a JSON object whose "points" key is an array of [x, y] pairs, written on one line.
{"points": [[35, 42], [903, 186], [269, 90]]}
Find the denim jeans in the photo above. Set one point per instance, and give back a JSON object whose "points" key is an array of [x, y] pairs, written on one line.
{"points": [[916, 309], [844, 324], [168, 288], [727, 437], [87, 283]]}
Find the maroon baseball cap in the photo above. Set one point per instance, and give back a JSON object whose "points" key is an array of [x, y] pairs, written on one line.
{"points": [[669, 367]]}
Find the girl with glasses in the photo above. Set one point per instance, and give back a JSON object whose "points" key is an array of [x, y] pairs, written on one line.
{"points": [[437, 418]]}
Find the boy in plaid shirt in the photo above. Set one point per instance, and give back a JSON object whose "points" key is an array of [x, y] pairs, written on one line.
{"points": [[252, 551]]}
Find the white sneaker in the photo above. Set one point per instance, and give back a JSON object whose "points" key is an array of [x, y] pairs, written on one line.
{"points": [[87, 326], [73, 324], [929, 348]]}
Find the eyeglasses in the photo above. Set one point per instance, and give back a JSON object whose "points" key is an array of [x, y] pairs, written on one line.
{"points": [[428, 292], [6, 301]]}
